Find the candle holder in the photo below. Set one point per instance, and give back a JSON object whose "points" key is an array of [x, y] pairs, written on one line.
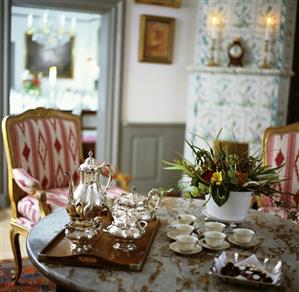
{"points": [[212, 62], [265, 64]]}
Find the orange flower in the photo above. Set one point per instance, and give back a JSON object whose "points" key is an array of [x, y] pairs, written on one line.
{"points": [[241, 176]]}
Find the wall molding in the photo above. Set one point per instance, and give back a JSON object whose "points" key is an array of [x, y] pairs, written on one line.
{"points": [[142, 124], [241, 71]]}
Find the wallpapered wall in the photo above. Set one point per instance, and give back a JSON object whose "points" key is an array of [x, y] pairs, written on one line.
{"points": [[246, 100]]}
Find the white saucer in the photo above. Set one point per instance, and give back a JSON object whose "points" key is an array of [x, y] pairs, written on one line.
{"points": [[225, 245], [254, 242], [205, 213], [174, 233], [197, 248]]}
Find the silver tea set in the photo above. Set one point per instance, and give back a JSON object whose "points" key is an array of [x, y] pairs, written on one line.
{"points": [[130, 213]]}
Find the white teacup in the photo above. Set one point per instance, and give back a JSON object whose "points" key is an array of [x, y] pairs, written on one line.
{"points": [[183, 228], [186, 242], [214, 238], [186, 218], [243, 235], [214, 226]]}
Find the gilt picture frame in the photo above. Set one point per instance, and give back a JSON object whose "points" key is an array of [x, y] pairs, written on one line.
{"points": [[40, 59], [169, 3], [156, 39]]}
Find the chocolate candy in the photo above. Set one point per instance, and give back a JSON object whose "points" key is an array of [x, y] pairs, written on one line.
{"points": [[250, 272]]}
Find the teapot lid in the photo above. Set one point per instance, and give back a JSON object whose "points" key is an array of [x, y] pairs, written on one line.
{"points": [[130, 200], [90, 164]]}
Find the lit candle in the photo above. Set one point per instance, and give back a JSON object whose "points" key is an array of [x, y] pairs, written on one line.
{"points": [[62, 21], [268, 27], [45, 18], [73, 24], [29, 21], [52, 76], [214, 27]]}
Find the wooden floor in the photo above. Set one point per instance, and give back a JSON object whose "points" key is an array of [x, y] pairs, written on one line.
{"points": [[5, 250]]}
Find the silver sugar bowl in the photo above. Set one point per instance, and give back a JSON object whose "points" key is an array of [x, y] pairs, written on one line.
{"points": [[125, 228]]}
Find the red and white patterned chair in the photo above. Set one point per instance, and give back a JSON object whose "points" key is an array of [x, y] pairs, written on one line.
{"points": [[41, 144], [281, 146]]}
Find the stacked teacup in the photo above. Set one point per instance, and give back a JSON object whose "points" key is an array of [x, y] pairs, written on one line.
{"points": [[214, 236], [185, 241]]}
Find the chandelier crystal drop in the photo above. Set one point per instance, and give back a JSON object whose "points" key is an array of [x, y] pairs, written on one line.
{"points": [[51, 32]]}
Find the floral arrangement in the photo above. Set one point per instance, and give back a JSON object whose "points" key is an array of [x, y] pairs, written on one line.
{"points": [[217, 172], [32, 84]]}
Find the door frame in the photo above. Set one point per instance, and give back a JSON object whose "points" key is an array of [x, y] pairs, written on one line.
{"points": [[108, 115]]}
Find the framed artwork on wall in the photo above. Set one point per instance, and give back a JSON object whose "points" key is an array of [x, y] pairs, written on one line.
{"points": [[169, 3], [40, 58], [156, 38]]}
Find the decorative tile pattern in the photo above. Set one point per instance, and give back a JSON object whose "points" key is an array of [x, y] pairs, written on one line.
{"points": [[241, 102], [245, 19]]}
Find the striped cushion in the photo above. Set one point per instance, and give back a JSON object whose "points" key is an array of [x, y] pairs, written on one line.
{"points": [[25, 222], [28, 206], [45, 148], [26, 182], [56, 198], [284, 149]]}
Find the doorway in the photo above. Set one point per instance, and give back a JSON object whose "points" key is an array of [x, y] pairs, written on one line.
{"points": [[109, 62], [54, 60]]}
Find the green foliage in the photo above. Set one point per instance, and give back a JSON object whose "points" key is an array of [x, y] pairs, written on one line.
{"points": [[217, 172]]}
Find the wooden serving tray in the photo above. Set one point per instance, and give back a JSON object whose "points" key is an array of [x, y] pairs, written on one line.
{"points": [[103, 255]]}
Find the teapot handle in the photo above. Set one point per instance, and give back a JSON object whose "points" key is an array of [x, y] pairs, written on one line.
{"points": [[152, 194], [97, 222], [103, 165]]}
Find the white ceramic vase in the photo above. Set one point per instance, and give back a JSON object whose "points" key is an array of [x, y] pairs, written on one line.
{"points": [[234, 209]]}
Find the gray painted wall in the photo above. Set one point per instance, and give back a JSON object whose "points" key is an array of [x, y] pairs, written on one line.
{"points": [[144, 146]]}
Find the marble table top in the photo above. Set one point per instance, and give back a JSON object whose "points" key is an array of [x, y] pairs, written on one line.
{"points": [[165, 270]]}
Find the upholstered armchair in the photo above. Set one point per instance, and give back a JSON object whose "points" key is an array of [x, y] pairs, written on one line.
{"points": [[41, 144], [281, 147]]}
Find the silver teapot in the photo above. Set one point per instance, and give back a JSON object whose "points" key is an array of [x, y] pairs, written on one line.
{"points": [[85, 204], [125, 228], [143, 207]]}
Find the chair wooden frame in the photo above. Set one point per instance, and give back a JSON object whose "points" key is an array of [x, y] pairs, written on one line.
{"points": [[276, 130], [232, 146], [14, 191], [294, 127]]}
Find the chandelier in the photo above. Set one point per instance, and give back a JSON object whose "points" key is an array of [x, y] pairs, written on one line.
{"points": [[51, 32]]}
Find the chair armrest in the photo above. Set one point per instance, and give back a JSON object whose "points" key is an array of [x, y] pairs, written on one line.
{"points": [[25, 181], [124, 180], [31, 186]]}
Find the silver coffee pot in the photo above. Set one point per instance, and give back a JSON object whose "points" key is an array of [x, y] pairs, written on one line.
{"points": [[85, 204], [89, 198]]}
